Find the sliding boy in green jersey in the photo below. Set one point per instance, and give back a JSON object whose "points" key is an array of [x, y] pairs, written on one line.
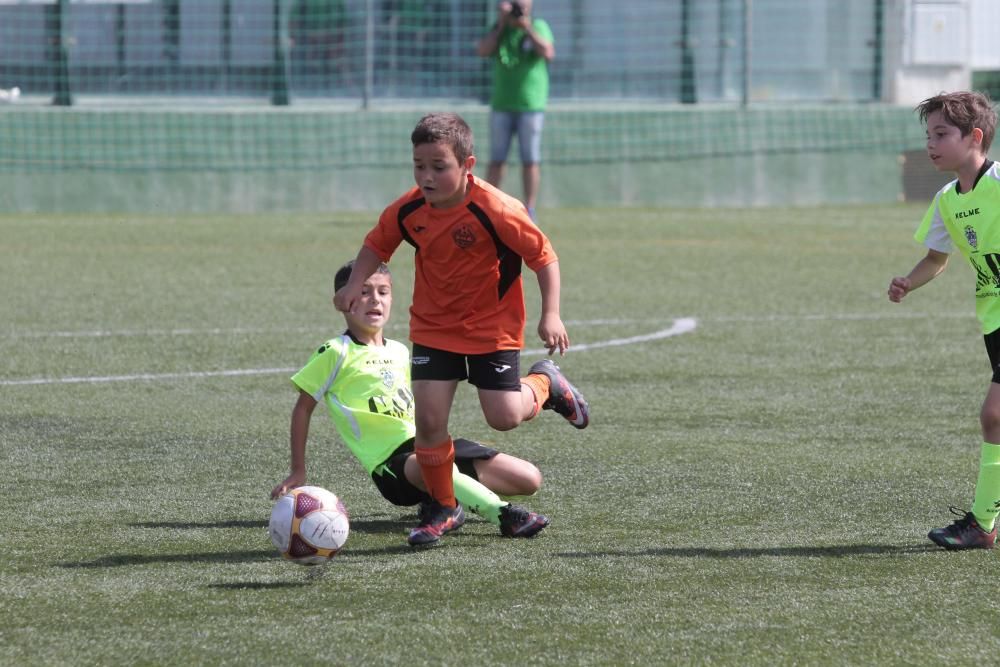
{"points": [[965, 216], [364, 379]]}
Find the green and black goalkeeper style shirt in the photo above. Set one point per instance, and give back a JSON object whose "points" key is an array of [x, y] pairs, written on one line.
{"points": [[970, 222], [366, 389]]}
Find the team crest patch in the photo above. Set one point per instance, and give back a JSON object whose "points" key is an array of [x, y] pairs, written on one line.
{"points": [[388, 379], [970, 236], [463, 236]]}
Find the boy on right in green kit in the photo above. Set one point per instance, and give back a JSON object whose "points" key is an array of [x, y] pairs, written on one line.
{"points": [[965, 215]]}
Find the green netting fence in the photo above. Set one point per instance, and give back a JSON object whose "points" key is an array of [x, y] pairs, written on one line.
{"points": [[308, 104], [686, 51], [306, 140]]}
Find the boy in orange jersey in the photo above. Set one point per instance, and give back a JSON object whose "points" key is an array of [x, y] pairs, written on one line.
{"points": [[468, 314]]}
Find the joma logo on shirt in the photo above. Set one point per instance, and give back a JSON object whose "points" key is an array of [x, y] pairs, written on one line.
{"points": [[967, 214]]}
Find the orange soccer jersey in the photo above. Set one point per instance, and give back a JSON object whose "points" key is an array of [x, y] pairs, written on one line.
{"points": [[468, 295]]}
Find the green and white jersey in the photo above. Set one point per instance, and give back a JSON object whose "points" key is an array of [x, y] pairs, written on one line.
{"points": [[970, 222], [366, 389]]}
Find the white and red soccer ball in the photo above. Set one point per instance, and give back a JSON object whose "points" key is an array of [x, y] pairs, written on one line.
{"points": [[309, 525]]}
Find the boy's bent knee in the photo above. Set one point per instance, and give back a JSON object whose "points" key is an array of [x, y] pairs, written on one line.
{"points": [[502, 416], [530, 480], [989, 420], [503, 422], [990, 423]]}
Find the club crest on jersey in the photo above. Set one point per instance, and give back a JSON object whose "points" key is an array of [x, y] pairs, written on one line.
{"points": [[970, 236], [464, 238], [388, 379]]}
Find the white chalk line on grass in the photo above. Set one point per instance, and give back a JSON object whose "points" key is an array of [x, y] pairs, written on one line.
{"points": [[152, 333], [680, 326], [238, 331], [146, 376], [242, 331]]}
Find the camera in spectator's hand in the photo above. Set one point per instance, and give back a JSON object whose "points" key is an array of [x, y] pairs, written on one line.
{"points": [[516, 10]]}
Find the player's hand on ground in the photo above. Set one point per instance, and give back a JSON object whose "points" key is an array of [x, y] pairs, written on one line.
{"points": [[292, 481], [898, 288], [553, 334]]}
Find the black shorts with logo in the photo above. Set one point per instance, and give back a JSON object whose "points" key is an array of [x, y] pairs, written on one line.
{"points": [[390, 477], [500, 370]]}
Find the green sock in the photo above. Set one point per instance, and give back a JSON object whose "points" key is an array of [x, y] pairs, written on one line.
{"points": [[987, 502], [477, 497]]}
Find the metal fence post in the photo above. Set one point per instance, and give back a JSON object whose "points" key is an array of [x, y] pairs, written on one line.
{"points": [[747, 49], [689, 90], [63, 95], [368, 87], [877, 59], [279, 90]]}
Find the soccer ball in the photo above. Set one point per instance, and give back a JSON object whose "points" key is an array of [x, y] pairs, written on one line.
{"points": [[309, 525]]}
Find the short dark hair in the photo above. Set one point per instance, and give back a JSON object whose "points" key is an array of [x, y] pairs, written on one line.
{"points": [[447, 128], [964, 110], [344, 274]]}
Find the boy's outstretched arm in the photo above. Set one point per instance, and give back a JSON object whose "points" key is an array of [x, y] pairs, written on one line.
{"points": [[922, 273], [364, 265], [551, 329], [301, 415]]}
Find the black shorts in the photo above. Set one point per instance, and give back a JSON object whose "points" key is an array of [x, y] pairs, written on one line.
{"points": [[992, 341], [391, 479], [500, 370]]}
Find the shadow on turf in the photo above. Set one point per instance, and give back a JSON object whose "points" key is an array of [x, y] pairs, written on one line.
{"points": [[367, 526], [119, 560], [838, 551], [192, 525], [370, 526], [253, 585]]}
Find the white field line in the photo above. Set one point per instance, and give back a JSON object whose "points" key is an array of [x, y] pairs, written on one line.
{"points": [[324, 330], [680, 326], [134, 333], [146, 376], [237, 331]]}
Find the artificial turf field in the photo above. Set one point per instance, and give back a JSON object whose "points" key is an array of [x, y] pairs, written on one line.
{"points": [[770, 442]]}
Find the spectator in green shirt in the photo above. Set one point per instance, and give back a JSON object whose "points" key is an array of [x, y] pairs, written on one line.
{"points": [[521, 47]]}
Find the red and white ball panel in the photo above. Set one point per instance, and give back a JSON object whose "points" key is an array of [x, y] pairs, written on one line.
{"points": [[309, 525]]}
